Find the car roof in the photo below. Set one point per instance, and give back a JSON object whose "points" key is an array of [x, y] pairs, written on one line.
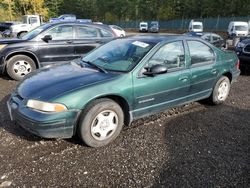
{"points": [[209, 33], [160, 38], [79, 23], [239, 23]]}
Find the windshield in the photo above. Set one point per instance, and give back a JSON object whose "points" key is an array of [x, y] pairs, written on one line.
{"points": [[33, 33], [197, 27], [120, 55], [144, 25], [241, 28], [154, 24]]}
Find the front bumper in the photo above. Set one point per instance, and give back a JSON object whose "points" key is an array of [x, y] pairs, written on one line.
{"points": [[2, 66], [47, 125], [235, 74], [153, 30]]}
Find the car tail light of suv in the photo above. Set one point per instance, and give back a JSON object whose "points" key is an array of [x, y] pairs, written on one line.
{"points": [[238, 64]]}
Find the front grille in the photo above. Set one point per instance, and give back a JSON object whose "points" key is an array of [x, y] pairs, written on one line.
{"points": [[246, 49], [19, 97]]}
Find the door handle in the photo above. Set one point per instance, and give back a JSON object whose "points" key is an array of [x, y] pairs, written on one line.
{"points": [[184, 79], [214, 71], [69, 41]]}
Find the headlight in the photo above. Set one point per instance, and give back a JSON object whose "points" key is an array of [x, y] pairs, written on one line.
{"points": [[2, 46], [240, 44], [45, 106]]}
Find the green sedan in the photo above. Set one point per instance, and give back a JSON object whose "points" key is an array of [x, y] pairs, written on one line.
{"points": [[123, 80]]}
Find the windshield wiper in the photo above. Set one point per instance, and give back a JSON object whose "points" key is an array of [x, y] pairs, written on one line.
{"points": [[95, 66]]}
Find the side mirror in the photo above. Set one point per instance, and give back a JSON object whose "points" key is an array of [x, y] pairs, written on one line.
{"points": [[155, 69], [47, 38]]}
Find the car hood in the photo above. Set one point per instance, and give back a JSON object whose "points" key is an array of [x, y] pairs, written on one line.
{"points": [[245, 41], [49, 83], [11, 41]]}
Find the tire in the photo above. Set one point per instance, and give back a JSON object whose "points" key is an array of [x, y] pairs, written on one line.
{"points": [[19, 66], [95, 128], [20, 35], [221, 91]]}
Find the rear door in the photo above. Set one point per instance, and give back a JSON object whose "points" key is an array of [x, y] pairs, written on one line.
{"points": [[203, 69], [60, 48], [89, 37]]}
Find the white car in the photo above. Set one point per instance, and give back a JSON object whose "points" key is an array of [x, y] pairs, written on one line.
{"points": [[143, 27], [118, 31], [239, 29], [195, 26]]}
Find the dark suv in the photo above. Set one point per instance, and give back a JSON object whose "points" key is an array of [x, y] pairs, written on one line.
{"points": [[49, 44], [243, 51]]}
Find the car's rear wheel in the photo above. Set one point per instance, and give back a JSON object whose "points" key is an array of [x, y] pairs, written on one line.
{"points": [[19, 66], [100, 123], [220, 91]]}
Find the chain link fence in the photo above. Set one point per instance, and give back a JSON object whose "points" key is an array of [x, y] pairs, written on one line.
{"points": [[209, 24]]}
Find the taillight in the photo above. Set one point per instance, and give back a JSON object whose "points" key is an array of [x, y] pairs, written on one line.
{"points": [[238, 64]]}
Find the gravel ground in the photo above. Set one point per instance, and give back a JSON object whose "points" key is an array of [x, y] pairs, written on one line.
{"points": [[191, 146]]}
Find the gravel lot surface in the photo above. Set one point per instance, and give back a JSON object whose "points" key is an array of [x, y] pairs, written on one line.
{"points": [[191, 146]]}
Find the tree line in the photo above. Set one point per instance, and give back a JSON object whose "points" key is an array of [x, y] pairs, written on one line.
{"points": [[125, 10]]}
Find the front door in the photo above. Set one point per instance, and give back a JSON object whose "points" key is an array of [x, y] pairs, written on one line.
{"points": [[156, 93], [60, 48]]}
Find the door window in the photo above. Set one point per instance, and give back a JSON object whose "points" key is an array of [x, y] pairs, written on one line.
{"points": [[33, 20], [171, 55], [216, 38], [84, 32], [200, 52], [206, 37], [106, 33], [62, 32]]}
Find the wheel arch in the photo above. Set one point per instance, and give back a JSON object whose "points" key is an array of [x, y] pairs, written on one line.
{"points": [[18, 34], [229, 75], [26, 53], [122, 102]]}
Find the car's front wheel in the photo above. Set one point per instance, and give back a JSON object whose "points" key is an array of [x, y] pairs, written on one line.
{"points": [[221, 90], [19, 66], [20, 35], [101, 122]]}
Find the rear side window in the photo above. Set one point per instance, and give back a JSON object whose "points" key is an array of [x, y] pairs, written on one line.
{"points": [[200, 53], [106, 33], [87, 32]]}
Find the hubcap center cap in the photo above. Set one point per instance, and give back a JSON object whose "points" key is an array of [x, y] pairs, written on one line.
{"points": [[22, 68], [104, 124]]}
